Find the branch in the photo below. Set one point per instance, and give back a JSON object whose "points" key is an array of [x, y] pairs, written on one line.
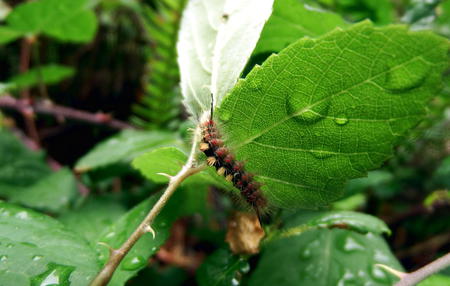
{"points": [[411, 279], [46, 107], [116, 255]]}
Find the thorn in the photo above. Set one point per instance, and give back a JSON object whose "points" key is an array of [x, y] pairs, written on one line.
{"points": [[165, 175], [149, 229], [393, 271], [111, 250]]}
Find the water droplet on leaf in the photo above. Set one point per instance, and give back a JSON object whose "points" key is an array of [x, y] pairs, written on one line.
{"points": [[133, 263], [407, 76], [55, 274], [37, 257], [3, 258], [352, 245], [307, 113], [341, 120], [321, 154]]}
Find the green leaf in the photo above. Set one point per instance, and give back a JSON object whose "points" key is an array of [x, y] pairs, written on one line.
{"points": [[8, 35], [325, 257], [65, 20], [379, 180], [354, 221], [19, 166], [52, 193], [292, 20], [48, 74], [167, 160], [222, 268], [435, 280], [124, 147], [93, 217], [183, 202], [441, 177], [36, 248], [216, 39], [329, 109]]}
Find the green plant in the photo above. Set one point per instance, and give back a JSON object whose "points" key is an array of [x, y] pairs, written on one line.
{"points": [[323, 125]]}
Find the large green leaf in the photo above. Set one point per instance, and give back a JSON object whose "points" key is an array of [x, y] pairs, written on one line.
{"points": [[65, 20], [48, 74], [325, 257], [215, 41], [19, 166], [183, 202], [124, 147], [222, 268], [93, 217], [38, 250], [292, 20], [167, 160], [329, 109], [52, 193]]}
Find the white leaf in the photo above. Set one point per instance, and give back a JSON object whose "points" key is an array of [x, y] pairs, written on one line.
{"points": [[215, 42]]}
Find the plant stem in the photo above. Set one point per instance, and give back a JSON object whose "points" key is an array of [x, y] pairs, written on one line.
{"points": [[410, 279], [116, 255], [46, 107]]}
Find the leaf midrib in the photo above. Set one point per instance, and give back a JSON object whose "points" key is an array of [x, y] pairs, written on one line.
{"points": [[307, 108]]}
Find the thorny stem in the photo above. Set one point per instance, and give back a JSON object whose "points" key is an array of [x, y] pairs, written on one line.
{"points": [[46, 107], [116, 255], [411, 279]]}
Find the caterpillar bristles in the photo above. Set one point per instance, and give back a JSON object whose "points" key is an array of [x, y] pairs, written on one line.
{"points": [[221, 158]]}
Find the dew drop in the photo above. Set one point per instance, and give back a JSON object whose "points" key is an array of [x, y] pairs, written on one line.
{"points": [[346, 279], [235, 282], [341, 120], [225, 115], [378, 274], [55, 274], [133, 263], [22, 215], [37, 257], [244, 267], [352, 245], [303, 112], [306, 253], [3, 258], [321, 154], [9, 245], [154, 248], [407, 76]]}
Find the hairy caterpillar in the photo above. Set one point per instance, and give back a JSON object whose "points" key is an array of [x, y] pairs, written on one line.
{"points": [[226, 165]]}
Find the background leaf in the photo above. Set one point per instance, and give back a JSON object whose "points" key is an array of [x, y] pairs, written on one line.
{"points": [[325, 257], [292, 20], [19, 166], [166, 160], [222, 268], [215, 41], [124, 147], [65, 20], [183, 202], [93, 217], [52, 193], [35, 247], [331, 109], [48, 75]]}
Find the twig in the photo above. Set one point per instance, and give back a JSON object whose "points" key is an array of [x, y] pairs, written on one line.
{"points": [[46, 107], [27, 113], [116, 255], [411, 279]]}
